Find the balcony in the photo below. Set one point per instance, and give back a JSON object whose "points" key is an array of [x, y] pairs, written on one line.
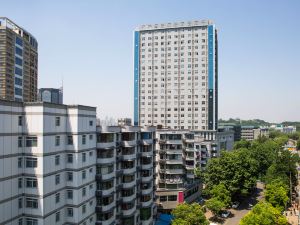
{"points": [[148, 203], [129, 184], [147, 166], [129, 198], [189, 149], [130, 143], [108, 159], [119, 173], [106, 145], [174, 142], [174, 171], [108, 207], [174, 181], [147, 191], [101, 177], [129, 170], [174, 161], [147, 179], [129, 212], [108, 191], [146, 141]]}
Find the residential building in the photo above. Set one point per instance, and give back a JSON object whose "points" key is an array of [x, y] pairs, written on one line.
{"points": [[18, 63], [176, 75], [52, 95], [125, 175], [48, 163], [178, 154], [58, 167]]}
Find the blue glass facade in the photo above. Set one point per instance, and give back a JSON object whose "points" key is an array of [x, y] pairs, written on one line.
{"points": [[211, 74], [136, 76]]}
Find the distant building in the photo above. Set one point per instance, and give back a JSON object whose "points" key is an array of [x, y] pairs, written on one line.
{"points": [[18, 63], [124, 122], [51, 95], [284, 129], [251, 133], [236, 128], [178, 154]]}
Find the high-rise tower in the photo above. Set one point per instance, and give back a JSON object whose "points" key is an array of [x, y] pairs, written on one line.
{"points": [[18, 63], [176, 75]]}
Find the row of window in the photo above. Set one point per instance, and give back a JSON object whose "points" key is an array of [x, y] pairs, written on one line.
{"points": [[163, 36], [182, 72]]}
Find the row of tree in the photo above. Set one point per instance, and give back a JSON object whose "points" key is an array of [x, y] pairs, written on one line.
{"points": [[234, 175]]}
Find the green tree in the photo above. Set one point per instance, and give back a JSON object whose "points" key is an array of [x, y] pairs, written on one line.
{"points": [[189, 214], [235, 169], [242, 144], [198, 173], [215, 205], [276, 194], [264, 214], [220, 193], [298, 144]]}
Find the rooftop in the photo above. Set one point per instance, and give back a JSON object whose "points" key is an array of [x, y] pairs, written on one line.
{"points": [[162, 26]]}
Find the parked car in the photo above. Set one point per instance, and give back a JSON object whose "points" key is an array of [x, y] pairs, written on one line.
{"points": [[235, 205], [225, 214], [250, 206], [200, 201]]}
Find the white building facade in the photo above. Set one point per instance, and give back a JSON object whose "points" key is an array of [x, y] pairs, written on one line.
{"points": [[48, 164], [58, 167], [175, 75], [179, 153]]}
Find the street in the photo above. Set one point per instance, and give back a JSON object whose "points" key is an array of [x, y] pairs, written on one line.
{"points": [[243, 209]]}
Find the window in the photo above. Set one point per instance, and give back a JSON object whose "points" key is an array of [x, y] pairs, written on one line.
{"points": [[57, 121], [83, 157], [91, 137], [31, 203], [162, 198], [91, 123], [91, 170], [20, 142], [31, 183], [70, 212], [57, 197], [18, 51], [84, 139], [69, 194], [18, 71], [31, 162], [91, 186], [30, 221], [70, 158], [20, 160], [57, 217], [57, 179], [83, 192], [19, 41], [31, 141], [57, 140], [83, 209], [70, 140], [20, 182], [83, 174], [172, 198], [91, 153], [20, 222], [69, 176], [18, 61], [20, 120], [57, 160]]}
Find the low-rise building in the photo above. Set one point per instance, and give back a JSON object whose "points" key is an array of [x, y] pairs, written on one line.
{"points": [[251, 133], [178, 154]]}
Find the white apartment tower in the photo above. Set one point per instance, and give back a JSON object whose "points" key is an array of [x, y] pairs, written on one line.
{"points": [[58, 167], [176, 75]]}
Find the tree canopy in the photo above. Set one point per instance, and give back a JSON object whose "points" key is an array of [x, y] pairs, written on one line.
{"points": [[276, 194], [189, 214], [265, 214]]}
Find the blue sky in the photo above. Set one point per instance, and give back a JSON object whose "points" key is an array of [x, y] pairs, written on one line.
{"points": [[89, 44]]}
